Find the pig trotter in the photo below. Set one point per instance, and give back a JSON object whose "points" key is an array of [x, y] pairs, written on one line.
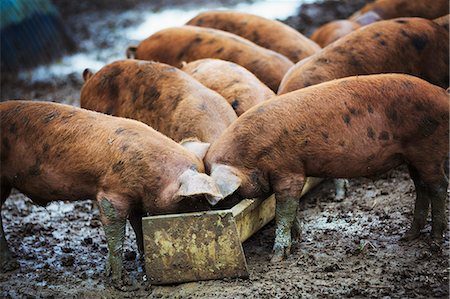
{"points": [[421, 206], [438, 197], [297, 229], [7, 261], [136, 223], [285, 214], [341, 189], [114, 227]]}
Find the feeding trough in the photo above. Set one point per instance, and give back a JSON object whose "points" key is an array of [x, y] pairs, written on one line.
{"points": [[204, 245]]}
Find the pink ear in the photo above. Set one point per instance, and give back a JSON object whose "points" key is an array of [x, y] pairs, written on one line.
{"points": [[196, 147], [368, 18], [227, 178], [193, 183]]}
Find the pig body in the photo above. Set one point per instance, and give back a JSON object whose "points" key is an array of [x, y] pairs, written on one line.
{"points": [[389, 9], [54, 152], [162, 96], [413, 46], [351, 127], [269, 34], [188, 43], [236, 84]]}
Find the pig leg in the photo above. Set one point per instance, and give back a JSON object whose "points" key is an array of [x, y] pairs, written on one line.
{"points": [[287, 193], [341, 188], [297, 228], [7, 260], [135, 219], [438, 195], [421, 206], [114, 226]]}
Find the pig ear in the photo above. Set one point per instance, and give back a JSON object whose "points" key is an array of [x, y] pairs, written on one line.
{"points": [[87, 74], [227, 178], [131, 52], [368, 18], [196, 147], [193, 183]]}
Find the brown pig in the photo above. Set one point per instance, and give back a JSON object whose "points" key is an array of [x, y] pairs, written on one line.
{"points": [[160, 95], [236, 84], [54, 152], [187, 43], [412, 46], [267, 33], [334, 30], [389, 9], [345, 128]]}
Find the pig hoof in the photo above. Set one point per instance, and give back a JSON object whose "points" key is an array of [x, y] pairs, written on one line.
{"points": [[436, 246], [9, 265], [124, 286], [276, 258], [410, 235]]}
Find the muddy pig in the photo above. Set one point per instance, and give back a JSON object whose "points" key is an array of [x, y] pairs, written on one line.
{"points": [[236, 84], [351, 127], [160, 95], [187, 43], [269, 34], [54, 152], [413, 46], [334, 30], [389, 9]]}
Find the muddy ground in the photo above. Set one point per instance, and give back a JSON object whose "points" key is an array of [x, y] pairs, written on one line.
{"points": [[349, 248]]}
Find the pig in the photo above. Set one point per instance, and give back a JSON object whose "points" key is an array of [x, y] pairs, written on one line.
{"points": [[187, 43], [236, 84], [345, 128], [413, 46], [53, 151], [390, 9], [334, 30], [269, 34], [443, 21], [160, 95]]}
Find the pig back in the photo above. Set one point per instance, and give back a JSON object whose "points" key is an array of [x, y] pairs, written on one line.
{"points": [[193, 43], [321, 127], [413, 46], [236, 84], [58, 152], [159, 95]]}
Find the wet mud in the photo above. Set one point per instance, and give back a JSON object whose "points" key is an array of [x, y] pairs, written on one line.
{"points": [[349, 249]]}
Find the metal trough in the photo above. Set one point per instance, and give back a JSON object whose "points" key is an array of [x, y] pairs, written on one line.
{"points": [[204, 245]]}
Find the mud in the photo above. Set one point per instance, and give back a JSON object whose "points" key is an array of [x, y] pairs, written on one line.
{"points": [[348, 249]]}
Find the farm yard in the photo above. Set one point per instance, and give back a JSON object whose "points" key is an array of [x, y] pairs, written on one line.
{"points": [[350, 248]]}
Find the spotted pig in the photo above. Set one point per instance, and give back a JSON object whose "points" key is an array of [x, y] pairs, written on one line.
{"points": [[188, 43], [54, 152], [162, 96], [413, 46], [270, 34], [351, 127]]}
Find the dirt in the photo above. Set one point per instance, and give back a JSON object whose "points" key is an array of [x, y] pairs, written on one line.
{"points": [[348, 249]]}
